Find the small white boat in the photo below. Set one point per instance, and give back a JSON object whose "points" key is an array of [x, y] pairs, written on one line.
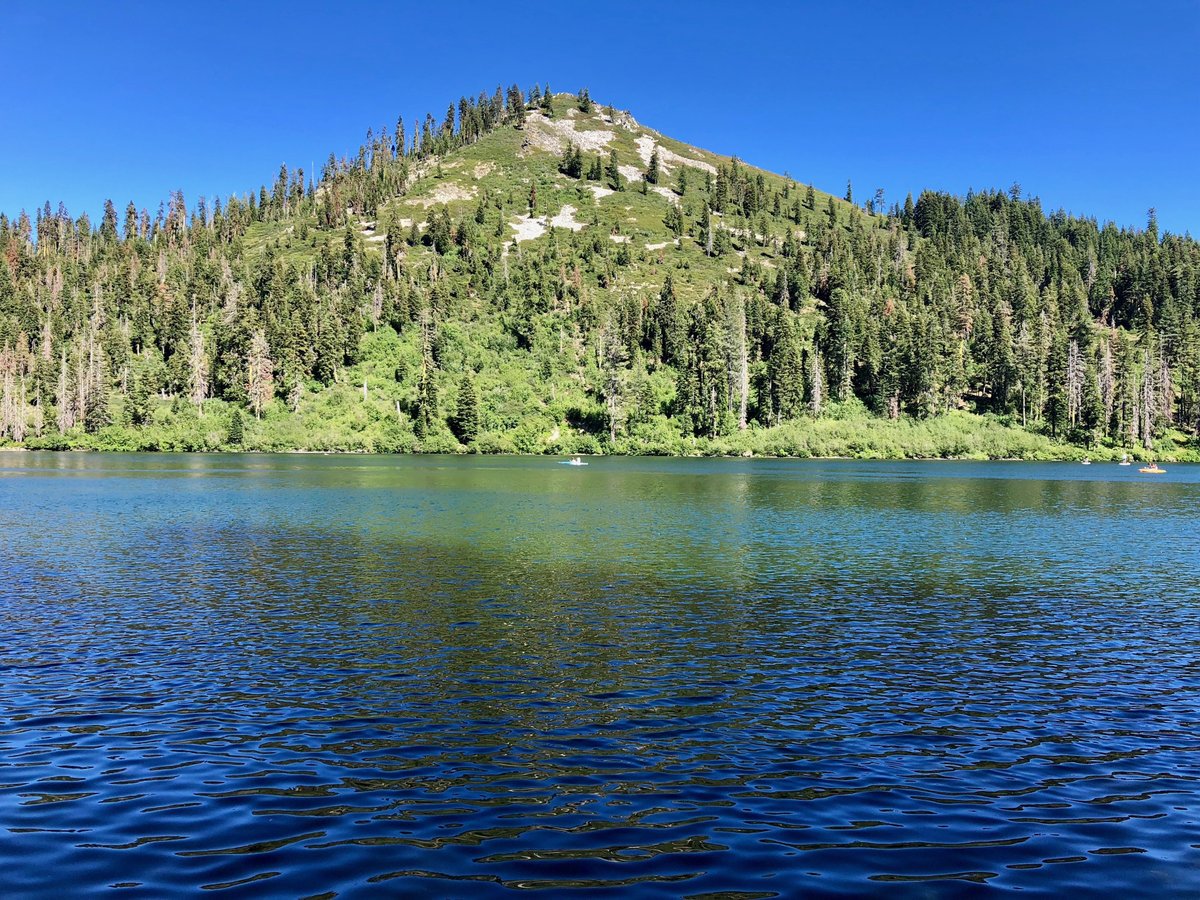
{"points": [[1086, 462], [1124, 461], [576, 461]]}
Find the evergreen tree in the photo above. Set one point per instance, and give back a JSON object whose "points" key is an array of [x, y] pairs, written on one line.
{"points": [[97, 414], [108, 224], [705, 237], [131, 222], [674, 219], [1092, 409], [260, 374], [139, 403], [235, 432], [426, 406], [652, 167], [787, 373], [572, 163], [613, 172], [465, 423], [614, 357], [667, 338]]}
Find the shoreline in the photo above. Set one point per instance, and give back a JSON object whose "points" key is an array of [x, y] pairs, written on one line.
{"points": [[852, 435], [1095, 459]]}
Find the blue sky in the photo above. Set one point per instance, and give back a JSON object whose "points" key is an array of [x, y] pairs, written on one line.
{"points": [[1091, 106]]}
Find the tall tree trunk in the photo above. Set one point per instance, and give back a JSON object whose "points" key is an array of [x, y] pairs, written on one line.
{"points": [[743, 368]]}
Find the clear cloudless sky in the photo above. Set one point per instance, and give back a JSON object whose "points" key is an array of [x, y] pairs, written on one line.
{"points": [[1092, 106]]}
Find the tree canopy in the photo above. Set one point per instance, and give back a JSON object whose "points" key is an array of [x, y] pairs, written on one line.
{"points": [[733, 299]]}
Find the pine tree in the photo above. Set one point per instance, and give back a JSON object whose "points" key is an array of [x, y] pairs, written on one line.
{"points": [[782, 295], [1092, 408], [139, 403], [840, 332], [652, 167], [108, 224], [465, 423], [516, 106], [97, 414], [572, 162], [260, 374], [786, 370], [613, 171], [426, 407], [645, 405], [11, 412], [674, 219], [197, 367], [613, 359], [707, 238], [1057, 409], [815, 383], [666, 336], [235, 432]]}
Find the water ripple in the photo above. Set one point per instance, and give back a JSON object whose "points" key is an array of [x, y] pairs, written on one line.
{"points": [[335, 677]]}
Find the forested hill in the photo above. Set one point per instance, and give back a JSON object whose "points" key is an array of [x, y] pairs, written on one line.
{"points": [[534, 272]]}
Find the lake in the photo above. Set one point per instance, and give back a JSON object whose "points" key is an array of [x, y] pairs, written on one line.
{"points": [[458, 677]]}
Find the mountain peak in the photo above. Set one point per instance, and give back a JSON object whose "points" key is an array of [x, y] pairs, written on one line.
{"points": [[597, 286]]}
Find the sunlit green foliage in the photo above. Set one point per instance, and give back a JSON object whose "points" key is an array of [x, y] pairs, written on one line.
{"points": [[530, 273]]}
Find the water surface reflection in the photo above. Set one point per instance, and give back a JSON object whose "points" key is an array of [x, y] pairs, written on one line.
{"points": [[310, 676]]}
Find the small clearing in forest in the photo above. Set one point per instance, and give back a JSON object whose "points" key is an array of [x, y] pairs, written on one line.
{"points": [[445, 193], [566, 219], [528, 228]]}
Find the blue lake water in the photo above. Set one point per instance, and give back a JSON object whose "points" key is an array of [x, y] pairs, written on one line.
{"points": [[356, 676]]}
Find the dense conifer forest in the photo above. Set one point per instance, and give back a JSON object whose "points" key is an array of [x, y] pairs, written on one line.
{"points": [[536, 272]]}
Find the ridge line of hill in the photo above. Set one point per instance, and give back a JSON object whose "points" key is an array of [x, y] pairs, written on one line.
{"points": [[538, 273]]}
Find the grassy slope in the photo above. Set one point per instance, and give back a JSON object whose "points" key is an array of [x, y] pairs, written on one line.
{"points": [[539, 401]]}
